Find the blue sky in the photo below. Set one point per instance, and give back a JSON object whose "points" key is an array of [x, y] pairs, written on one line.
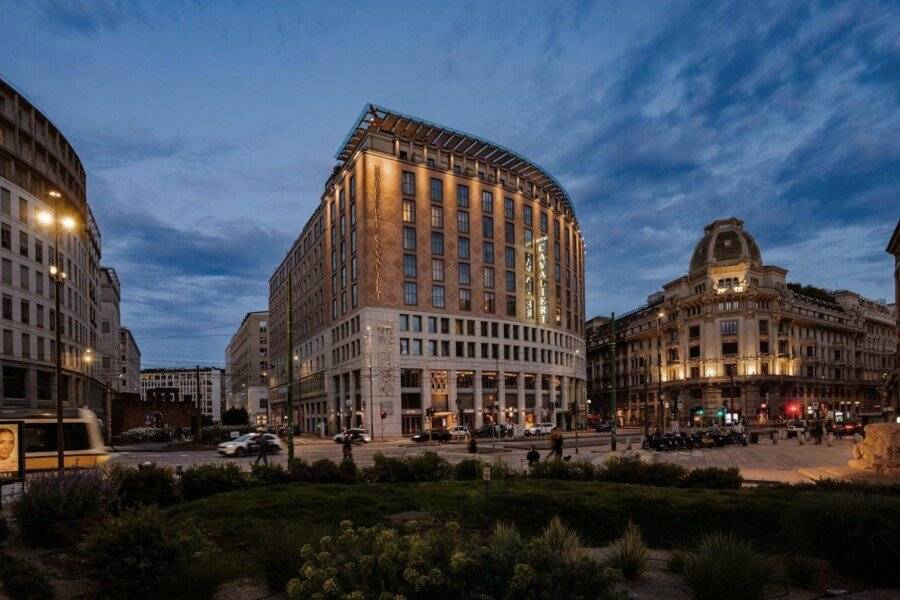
{"points": [[208, 128]]}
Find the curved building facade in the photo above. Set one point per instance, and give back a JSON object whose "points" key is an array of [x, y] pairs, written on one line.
{"points": [[35, 159], [452, 266]]}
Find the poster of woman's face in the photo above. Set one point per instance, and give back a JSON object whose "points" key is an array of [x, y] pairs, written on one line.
{"points": [[9, 452]]}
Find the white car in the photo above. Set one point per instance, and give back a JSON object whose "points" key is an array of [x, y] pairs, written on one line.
{"points": [[539, 429], [356, 435], [460, 431], [249, 444]]}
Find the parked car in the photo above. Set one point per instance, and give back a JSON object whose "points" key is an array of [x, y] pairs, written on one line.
{"points": [[249, 444], [539, 429], [796, 425], [848, 428], [490, 431], [458, 431], [434, 435], [357, 436], [604, 426]]}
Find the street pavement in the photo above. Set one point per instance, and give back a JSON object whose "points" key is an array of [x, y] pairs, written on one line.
{"points": [[788, 461]]}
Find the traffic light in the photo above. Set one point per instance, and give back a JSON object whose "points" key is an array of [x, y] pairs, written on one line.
{"points": [[700, 411], [721, 412]]}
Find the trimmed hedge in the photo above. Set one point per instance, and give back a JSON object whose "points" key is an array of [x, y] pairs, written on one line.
{"points": [[200, 481], [143, 486]]}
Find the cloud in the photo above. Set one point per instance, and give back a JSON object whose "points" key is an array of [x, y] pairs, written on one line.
{"points": [[87, 18]]}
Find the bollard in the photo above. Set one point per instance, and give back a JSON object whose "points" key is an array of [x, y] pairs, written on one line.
{"points": [[829, 440], [628, 442], [801, 439]]}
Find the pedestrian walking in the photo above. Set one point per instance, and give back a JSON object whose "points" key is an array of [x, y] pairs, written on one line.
{"points": [[473, 445], [347, 446], [262, 446], [556, 444], [533, 457]]}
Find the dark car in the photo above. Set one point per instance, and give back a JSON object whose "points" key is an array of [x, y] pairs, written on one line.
{"points": [[604, 427], [847, 428], [435, 435], [489, 431]]}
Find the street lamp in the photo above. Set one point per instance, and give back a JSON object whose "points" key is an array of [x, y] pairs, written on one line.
{"points": [[59, 223]]}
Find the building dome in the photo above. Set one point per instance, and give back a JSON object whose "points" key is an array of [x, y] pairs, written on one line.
{"points": [[724, 242]]}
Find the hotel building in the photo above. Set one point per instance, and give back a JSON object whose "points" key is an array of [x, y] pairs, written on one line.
{"points": [[247, 365], [204, 387], [440, 280], [733, 336]]}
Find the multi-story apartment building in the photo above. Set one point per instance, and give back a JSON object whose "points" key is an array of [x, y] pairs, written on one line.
{"points": [[439, 280], [109, 349], [43, 181], [247, 364], [893, 387], [129, 363], [733, 336], [203, 386]]}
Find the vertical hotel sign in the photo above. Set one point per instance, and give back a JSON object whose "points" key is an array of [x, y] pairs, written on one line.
{"points": [[543, 283]]}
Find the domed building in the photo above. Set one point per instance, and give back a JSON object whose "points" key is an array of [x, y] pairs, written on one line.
{"points": [[732, 339]]}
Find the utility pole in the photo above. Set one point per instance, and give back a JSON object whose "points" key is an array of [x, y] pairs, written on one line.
{"points": [[612, 387], [290, 365]]}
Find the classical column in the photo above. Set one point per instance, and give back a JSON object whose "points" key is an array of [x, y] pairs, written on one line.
{"points": [[501, 397], [479, 403], [520, 391], [426, 394], [452, 402]]}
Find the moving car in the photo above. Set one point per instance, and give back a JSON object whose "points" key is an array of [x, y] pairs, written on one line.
{"points": [[604, 427], [357, 436], [489, 431], [249, 444], [434, 435], [847, 428], [539, 429]]}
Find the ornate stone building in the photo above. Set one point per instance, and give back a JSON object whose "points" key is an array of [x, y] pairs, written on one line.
{"points": [[733, 336], [451, 266], [893, 387]]}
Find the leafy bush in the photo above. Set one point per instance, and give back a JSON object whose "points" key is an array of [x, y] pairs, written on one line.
{"points": [[714, 478], [426, 466], [141, 555], [24, 581], [214, 434], [799, 571], [839, 485], [468, 469], [144, 485], [442, 563], [140, 435], [200, 481], [269, 474], [560, 469], [299, 470], [349, 472], [4, 528], [280, 562], [629, 554], [869, 527], [53, 509], [325, 471], [726, 567], [631, 469]]}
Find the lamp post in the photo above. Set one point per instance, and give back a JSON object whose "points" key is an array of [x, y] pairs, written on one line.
{"points": [[659, 398], [53, 219]]}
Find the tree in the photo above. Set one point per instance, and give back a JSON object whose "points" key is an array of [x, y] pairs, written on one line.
{"points": [[235, 416]]}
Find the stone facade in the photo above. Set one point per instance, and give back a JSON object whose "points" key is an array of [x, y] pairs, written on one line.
{"points": [[733, 336], [451, 266], [893, 385]]}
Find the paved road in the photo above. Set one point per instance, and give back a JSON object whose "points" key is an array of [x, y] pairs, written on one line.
{"points": [[786, 461]]}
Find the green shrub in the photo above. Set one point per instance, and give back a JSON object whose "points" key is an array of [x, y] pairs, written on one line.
{"points": [[840, 485], [348, 470], [500, 469], [868, 526], [468, 469], [799, 571], [140, 435], [714, 478], [4, 529], [726, 567], [631, 469], [629, 554], [426, 466], [141, 555], [56, 509], [200, 481], [23, 581], [560, 469], [269, 474], [201, 577], [214, 434], [281, 561], [325, 471], [442, 563], [299, 470], [143, 486]]}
